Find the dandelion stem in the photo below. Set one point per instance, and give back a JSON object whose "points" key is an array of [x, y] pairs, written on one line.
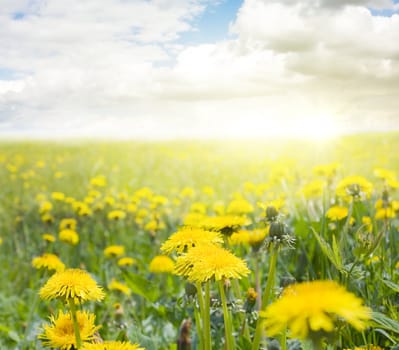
{"points": [[207, 316], [197, 316], [266, 296], [227, 319], [75, 323]]}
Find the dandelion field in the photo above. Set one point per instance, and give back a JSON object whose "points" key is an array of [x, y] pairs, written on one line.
{"points": [[185, 241]]}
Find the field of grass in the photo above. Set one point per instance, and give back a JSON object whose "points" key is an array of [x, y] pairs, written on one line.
{"points": [[292, 211]]}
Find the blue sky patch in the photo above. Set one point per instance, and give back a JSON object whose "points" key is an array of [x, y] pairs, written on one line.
{"points": [[213, 24]]}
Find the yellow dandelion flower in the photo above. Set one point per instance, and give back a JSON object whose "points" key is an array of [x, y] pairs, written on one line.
{"points": [[326, 170], [314, 306], [206, 262], [397, 265], [354, 187], [337, 213], [313, 189], [47, 217], [161, 263], [252, 237], [187, 192], [384, 213], [112, 345], [198, 207], [226, 224], [120, 287], [384, 174], [126, 261], [48, 261], [116, 215], [193, 219], [69, 236], [48, 237], [187, 238], [1, 241], [45, 207], [98, 181], [72, 284], [239, 206], [114, 251], [69, 223], [60, 334], [58, 196]]}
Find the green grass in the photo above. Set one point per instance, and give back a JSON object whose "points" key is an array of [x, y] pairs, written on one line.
{"points": [[260, 172]]}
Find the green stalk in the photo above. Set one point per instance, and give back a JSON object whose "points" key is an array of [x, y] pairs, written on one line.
{"points": [[75, 323], [266, 296], [197, 316], [283, 340], [229, 339], [207, 317]]}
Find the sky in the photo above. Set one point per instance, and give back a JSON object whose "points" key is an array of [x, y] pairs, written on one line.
{"points": [[156, 69]]}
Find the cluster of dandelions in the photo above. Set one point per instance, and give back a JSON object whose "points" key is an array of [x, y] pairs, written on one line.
{"points": [[202, 261], [75, 329]]}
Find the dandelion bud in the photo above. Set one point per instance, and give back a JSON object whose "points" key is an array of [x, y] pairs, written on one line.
{"points": [[271, 213], [277, 230], [191, 289]]}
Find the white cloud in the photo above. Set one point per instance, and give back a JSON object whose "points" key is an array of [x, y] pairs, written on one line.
{"points": [[115, 67]]}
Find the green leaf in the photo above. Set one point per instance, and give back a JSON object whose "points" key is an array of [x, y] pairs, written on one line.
{"points": [[391, 285], [385, 322], [333, 255], [140, 285]]}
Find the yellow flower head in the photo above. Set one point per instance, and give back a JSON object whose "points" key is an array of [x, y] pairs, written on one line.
{"points": [[119, 287], [226, 224], [58, 196], [116, 215], [72, 284], [48, 237], [384, 213], [48, 261], [354, 187], [205, 262], [337, 213], [68, 223], [313, 189], [314, 306], [98, 181], [60, 334], [112, 345], [114, 251], [326, 170], [187, 238], [69, 236], [252, 237], [161, 264], [240, 206], [126, 261]]}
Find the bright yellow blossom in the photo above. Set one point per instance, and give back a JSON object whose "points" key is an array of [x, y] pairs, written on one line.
{"points": [[114, 251], [187, 238], [60, 334], [73, 284], [120, 287], [314, 306], [206, 262], [161, 264], [48, 261], [112, 345], [69, 236], [337, 213]]}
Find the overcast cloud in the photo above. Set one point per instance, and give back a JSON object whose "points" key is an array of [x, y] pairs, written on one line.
{"points": [[118, 68]]}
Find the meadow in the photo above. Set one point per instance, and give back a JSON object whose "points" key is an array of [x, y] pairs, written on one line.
{"points": [[275, 215]]}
